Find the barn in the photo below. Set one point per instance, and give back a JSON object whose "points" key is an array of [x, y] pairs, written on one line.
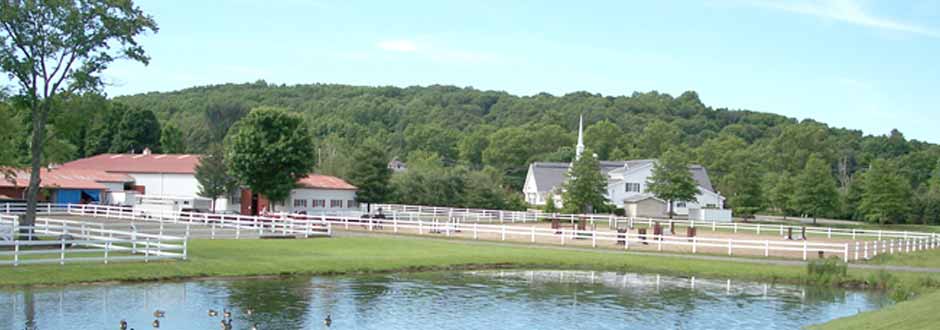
{"points": [[76, 186], [315, 194]]}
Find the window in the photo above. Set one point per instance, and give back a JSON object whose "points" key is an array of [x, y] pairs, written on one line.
{"points": [[680, 204], [351, 204], [632, 187], [336, 203], [235, 197], [300, 203], [318, 203]]}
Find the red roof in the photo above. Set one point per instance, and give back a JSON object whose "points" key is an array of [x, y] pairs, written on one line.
{"points": [[138, 163], [67, 178], [319, 181]]}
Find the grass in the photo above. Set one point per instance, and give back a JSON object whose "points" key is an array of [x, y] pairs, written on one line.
{"points": [[925, 258], [918, 314]]}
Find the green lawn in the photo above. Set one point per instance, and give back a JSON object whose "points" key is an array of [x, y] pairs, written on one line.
{"points": [[920, 313], [925, 258]]}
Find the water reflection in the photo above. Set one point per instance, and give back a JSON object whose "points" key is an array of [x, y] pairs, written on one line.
{"points": [[464, 300]]}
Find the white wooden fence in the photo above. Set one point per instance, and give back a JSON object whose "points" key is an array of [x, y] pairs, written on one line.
{"points": [[413, 212], [64, 241]]}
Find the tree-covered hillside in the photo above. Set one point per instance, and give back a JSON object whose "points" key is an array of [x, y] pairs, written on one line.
{"points": [[758, 160]]}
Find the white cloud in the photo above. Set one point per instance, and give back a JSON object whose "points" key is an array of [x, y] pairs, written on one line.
{"points": [[406, 46], [848, 11]]}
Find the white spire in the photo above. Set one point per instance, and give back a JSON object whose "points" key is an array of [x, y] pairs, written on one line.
{"points": [[580, 148]]}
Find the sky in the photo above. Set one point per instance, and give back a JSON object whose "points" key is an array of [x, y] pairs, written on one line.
{"points": [[869, 65]]}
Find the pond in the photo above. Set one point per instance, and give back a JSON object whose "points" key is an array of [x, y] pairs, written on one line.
{"points": [[449, 300]]}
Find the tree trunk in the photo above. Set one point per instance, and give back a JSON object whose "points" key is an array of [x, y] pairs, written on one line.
{"points": [[670, 209], [32, 191], [214, 201]]}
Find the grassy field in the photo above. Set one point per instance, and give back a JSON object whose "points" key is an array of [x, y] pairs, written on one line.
{"points": [[920, 313], [926, 258]]}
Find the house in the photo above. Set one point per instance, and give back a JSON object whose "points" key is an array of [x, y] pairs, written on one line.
{"points": [[626, 185], [153, 174], [397, 166], [57, 185], [315, 193], [174, 176]]}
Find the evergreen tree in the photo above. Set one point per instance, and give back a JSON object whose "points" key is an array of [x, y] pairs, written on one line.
{"points": [[586, 185], [213, 177], [139, 129], [370, 173], [171, 140], [550, 206], [268, 151], [816, 193], [778, 189], [671, 180], [885, 194]]}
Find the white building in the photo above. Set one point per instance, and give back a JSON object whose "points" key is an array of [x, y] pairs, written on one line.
{"points": [[322, 194], [626, 185]]}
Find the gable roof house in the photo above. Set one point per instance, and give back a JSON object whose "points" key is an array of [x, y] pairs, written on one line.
{"points": [[626, 184]]}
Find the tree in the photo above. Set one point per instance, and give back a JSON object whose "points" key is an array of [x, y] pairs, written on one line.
{"points": [[370, 172], [671, 180], [742, 185], [778, 190], [816, 193], [550, 206], [603, 138], [213, 177], [104, 128], [171, 140], [658, 137], [268, 151], [931, 211], [885, 194], [59, 48], [138, 130], [585, 187]]}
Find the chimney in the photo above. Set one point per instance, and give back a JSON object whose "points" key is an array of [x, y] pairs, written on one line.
{"points": [[146, 151]]}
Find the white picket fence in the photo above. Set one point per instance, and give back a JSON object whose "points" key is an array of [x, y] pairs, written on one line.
{"points": [[498, 216], [65, 241], [237, 225]]}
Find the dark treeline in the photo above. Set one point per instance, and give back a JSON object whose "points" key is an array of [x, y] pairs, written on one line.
{"points": [[762, 162]]}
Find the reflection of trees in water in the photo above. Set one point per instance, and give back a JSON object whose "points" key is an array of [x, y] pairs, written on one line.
{"points": [[367, 290], [280, 303]]}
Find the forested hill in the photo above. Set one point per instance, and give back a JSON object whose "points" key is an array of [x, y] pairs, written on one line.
{"points": [[507, 132]]}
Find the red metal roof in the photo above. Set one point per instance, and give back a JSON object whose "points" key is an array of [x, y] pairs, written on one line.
{"points": [[67, 178], [319, 181], [138, 163]]}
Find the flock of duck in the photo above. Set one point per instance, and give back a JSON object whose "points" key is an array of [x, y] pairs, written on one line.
{"points": [[225, 323]]}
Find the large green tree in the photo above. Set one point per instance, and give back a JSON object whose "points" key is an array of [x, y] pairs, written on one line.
{"points": [[171, 140], [268, 151], [816, 193], [213, 177], [138, 130], [603, 137], [370, 172], [885, 194], [743, 185], [585, 187], [671, 180], [51, 49]]}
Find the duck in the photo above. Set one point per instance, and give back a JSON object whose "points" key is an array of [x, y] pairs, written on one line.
{"points": [[213, 313], [249, 311], [254, 326], [225, 325], [159, 314], [123, 325], [156, 324], [328, 320], [226, 313]]}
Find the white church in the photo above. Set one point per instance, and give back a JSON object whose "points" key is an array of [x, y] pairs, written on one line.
{"points": [[626, 185]]}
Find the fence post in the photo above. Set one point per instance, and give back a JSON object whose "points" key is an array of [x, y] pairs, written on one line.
{"points": [[212, 232], [781, 230], [659, 246], [730, 247], [562, 237], [856, 250], [713, 226], [504, 233], [735, 227], [185, 248], [16, 250], [879, 234], [853, 233], [62, 256], [866, 251], [147, 250], [845, 251], [829, 232], [766, 248], [533, 234], [394, 225], [804, 250], [475, 235], [758, 229], [594, 239]]}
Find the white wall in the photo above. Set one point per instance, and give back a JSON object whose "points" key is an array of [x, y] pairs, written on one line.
{"points": [[309, 194], [530, 191], [617, 192], [184, 185]]}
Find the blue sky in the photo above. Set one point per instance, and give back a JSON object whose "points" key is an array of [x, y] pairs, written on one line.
{"points": [[870, 65]]}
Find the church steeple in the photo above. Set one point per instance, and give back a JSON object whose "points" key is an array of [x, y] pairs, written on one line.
{"points": [[580, 148]]}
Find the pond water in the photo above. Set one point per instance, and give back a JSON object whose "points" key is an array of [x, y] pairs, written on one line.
{"points": [[452, 300]]}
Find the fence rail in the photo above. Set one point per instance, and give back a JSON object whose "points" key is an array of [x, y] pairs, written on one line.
{"points": [[492, 216], [51, 241]]}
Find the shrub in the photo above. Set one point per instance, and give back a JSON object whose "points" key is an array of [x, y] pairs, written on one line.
{"points": [[826, 271]]}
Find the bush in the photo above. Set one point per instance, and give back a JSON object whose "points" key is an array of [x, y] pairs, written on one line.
{"points": [[827, 271]]}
